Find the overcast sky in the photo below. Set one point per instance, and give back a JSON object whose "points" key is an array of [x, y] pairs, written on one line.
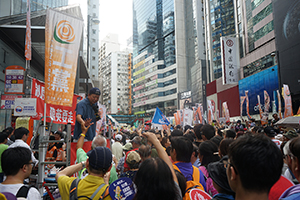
{"points": [[115, 17]]}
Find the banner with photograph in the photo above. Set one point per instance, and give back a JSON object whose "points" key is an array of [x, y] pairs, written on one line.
{"points": [[288, 111]]}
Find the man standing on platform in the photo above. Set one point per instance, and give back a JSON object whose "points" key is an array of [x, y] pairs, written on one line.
{"points": [[87, 109]]}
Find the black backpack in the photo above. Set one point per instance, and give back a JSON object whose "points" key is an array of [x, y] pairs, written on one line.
{"points": [[23, 191], [74, 196]]}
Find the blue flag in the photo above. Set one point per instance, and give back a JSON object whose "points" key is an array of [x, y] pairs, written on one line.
{"points": [[159, 118]]}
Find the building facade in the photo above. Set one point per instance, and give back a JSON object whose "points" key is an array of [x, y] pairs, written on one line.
{"points": [[93, 40], [115, 86], [168, 54]]}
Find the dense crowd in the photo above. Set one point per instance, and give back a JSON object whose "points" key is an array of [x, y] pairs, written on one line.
{"points": [[239, 160]]}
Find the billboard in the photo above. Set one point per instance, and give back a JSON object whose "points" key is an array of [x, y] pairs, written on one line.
{"points": [[255, 85], [287, 31]]}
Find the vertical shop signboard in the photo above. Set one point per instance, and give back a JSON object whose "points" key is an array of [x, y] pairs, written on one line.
{"points": [[14, 79]]}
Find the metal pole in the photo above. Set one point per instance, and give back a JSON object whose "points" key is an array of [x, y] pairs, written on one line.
{"points": [[88, 53], [27, 81], [68, 144], [42, 154]]}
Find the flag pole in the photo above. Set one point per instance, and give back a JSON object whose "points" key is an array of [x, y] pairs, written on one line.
{"points": [[27, 51]]}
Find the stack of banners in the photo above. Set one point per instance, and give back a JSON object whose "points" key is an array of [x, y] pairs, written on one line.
{"points": [[62, 42], [226, 111], [287, 101], [102, 121], [279, 105], [159, 118], [59, 114], [188, 117], [210, 110]]}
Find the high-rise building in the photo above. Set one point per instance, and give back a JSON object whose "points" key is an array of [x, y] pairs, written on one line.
{"points": [[115, 88], [93, 40], [168, 54], [219, 20]]}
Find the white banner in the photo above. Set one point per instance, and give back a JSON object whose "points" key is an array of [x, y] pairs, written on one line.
{"points": [[188, 117], [230, 60], [25, 107]]}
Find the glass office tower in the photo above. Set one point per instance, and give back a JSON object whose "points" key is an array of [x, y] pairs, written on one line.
{"points": [[154, 61]]}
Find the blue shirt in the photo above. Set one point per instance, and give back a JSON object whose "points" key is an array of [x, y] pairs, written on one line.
{"points": [[84, 108]]}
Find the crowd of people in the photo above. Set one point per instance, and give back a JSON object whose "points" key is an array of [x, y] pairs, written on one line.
{"points": [[232, 161]]}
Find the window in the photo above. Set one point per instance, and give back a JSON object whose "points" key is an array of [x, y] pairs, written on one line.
{"points": [[93, 67], [93, 40], [94, 14], [94, 6], [93, 58], [94, 31], [94, 49]]}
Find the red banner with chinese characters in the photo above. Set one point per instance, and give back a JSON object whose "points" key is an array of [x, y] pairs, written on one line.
{"points": [[59, 114]]}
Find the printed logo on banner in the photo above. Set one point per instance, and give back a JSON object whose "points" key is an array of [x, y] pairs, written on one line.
{"points": [[64, 32], [122, 189], [19, 109]]}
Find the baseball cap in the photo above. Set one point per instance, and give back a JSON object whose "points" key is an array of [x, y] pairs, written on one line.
{"points": [[118, 137], [100, 158], [95, 91], [290, 134], [269, 130], [217, 172], [133, 157], [127, 147]]}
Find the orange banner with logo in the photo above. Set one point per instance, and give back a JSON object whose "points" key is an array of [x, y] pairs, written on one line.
{"points": [[62, 35]]}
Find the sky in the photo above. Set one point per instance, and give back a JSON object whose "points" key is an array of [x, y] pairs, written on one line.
{"points": [[115, 17]]}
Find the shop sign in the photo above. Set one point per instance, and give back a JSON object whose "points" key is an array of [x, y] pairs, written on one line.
{"points": [[8, 101], [14, 80], [25, 107]]}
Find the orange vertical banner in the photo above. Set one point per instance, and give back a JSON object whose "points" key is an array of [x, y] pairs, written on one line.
{"points": [[28, 34], [63, 36]]}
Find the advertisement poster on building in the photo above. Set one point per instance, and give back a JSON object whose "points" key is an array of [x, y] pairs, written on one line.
{"points": [[25, 107], [62, 42], [14, 79]]}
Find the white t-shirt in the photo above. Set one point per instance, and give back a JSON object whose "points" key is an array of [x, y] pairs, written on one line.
{"points": [[33, 193], [277, 142], [21, 143]]}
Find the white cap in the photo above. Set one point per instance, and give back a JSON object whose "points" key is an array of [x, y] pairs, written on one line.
{"points": [[118, 137]]}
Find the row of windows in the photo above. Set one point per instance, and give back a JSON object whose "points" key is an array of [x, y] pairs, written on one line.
{"points": [[264, 31], [262, 14], [256, 3]]}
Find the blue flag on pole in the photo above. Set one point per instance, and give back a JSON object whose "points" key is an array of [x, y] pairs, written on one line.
{"points": [[159, 118]]}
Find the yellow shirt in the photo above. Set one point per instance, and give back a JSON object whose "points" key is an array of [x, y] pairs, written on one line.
{"points": [[86, 186]]}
